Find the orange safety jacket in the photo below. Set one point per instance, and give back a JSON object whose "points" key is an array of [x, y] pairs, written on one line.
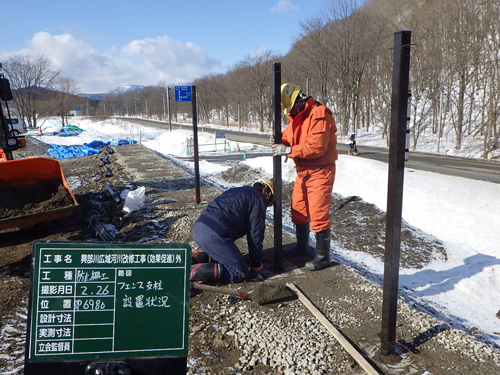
{"points": [[311, 134]]}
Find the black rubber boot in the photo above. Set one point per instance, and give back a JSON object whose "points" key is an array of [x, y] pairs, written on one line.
{"points": [[201, 257], [206, 272], [302, 246], [322, 258]]}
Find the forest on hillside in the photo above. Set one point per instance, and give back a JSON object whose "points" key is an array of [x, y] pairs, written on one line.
{"points": [[343, 57]]}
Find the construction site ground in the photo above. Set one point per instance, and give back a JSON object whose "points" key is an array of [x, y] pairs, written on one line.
{"points": [[230, 335]]}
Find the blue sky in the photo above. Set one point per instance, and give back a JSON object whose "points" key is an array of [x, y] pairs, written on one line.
{"points": [[105, 44]]}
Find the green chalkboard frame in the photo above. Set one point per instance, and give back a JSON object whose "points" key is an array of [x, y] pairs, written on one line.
{"points": [[98, 301]]}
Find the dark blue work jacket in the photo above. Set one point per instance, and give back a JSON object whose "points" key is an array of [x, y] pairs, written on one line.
{"points": [[238, 212]]}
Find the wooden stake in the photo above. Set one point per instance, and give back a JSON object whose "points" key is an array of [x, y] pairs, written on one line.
{"points": [[334, 331]]}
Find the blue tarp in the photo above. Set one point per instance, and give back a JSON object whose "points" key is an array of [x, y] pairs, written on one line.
{"points": [[69, 133], [67, 152], [99, 144], [122, 142], [96, 144]]}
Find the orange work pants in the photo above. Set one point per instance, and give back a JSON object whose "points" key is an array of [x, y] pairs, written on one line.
{"points": [[312, 196]]}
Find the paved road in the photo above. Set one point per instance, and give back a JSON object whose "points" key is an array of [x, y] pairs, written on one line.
{"points": [[477, 169]]}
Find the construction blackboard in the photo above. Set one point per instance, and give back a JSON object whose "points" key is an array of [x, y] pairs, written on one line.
{"points": [[92, 301]]}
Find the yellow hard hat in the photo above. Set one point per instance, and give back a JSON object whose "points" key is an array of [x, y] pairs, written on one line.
{"points": [[289, 93], [266, 182], [269, 184]]}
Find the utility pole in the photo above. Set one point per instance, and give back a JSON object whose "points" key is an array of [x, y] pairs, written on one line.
{"points": [[440, 122], [164, 110], [239, 117], [168, 106]]}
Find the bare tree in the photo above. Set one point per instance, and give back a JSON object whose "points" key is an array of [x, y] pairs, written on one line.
{"points": [[312, 59], [214, 99], [463, 37], [356, 38], [424, 61], [66, 90], [29, 76], [382, 96], [255, 74], [490, 89]]}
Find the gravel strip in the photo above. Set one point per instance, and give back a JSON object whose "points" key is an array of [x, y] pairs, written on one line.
{"points": [[288, 339]]}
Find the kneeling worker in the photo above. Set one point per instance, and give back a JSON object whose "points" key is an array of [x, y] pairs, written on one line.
{"points": [[235, 213]]}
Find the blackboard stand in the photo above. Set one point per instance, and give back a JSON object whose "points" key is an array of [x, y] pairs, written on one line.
{"points": [[137, 366], [108, 309]]}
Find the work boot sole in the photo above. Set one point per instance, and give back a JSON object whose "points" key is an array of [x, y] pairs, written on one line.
{"points": [[317, 266]]}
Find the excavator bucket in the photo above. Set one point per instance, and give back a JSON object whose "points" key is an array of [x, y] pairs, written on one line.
{"points": [[33, 190]]}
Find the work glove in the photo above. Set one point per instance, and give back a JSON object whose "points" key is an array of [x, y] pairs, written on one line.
{"points": [[281, 149], [271, 141]]}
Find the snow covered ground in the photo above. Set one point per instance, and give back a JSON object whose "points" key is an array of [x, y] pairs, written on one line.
{"points": [[463, 213]]}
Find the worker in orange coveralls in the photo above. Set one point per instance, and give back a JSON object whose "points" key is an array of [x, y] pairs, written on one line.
{"points": [[310, 140]]}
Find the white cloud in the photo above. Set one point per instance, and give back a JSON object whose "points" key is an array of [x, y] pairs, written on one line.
{"points": [[165, 59], [284, 6], [140, 62]]}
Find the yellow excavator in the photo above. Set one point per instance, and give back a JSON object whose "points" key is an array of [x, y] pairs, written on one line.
{"points": [[23, 176]]}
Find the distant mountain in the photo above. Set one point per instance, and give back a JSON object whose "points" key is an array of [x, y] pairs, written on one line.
{"points": [[126, 88], [119, 90], [96, 97]]}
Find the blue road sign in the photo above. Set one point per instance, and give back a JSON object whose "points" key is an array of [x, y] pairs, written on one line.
{"points": [[182, 93], [220, 134]]}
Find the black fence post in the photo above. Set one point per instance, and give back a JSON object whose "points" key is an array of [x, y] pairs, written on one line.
{"points": [[195, 141], [399, 103], [278, 203]]}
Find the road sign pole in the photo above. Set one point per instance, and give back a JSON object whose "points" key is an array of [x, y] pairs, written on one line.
{"points": [[188, 94], [168, 108], [400, 78], [195, 140], [278, 204]]}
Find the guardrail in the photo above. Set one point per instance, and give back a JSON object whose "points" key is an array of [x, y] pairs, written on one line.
{"points": [[207, 147]]}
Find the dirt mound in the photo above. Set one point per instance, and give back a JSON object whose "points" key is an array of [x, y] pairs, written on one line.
{"points": [[23, 200], [272, 293]]}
